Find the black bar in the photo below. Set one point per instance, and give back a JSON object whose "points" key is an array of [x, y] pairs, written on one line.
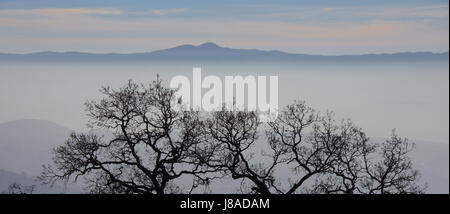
{"points": [[227, 203]]}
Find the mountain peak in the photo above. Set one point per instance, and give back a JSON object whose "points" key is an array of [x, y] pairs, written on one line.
{"points": [[209, 45]]}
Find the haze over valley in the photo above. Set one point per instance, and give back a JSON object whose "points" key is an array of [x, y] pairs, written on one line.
{"points": [[406, 91]]}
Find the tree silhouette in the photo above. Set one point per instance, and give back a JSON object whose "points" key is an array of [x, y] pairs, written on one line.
{"points": [[16, 188], [153, 145]]}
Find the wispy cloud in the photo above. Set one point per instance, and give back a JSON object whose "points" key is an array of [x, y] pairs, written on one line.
{"points": [[352, 13], [87, 11], [162, 12], [424, 12], [62, 11], [328, 9]]}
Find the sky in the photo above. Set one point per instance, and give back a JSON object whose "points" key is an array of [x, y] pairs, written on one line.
{"points": [[312, 27]]}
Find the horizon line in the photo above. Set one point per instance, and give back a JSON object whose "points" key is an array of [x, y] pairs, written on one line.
{"points": [[215, 44]]}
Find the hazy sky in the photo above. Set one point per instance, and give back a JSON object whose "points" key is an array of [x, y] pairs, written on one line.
{"points": [[315, 27]]}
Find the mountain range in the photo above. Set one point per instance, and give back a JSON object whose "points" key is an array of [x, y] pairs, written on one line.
{"points": [[212, 51]]}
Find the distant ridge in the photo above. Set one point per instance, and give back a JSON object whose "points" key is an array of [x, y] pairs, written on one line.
{"points": [[25, 145], [212, 51]]}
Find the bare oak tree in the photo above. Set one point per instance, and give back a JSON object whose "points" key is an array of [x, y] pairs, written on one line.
{"points": [[151, 144], [338, 157]]}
